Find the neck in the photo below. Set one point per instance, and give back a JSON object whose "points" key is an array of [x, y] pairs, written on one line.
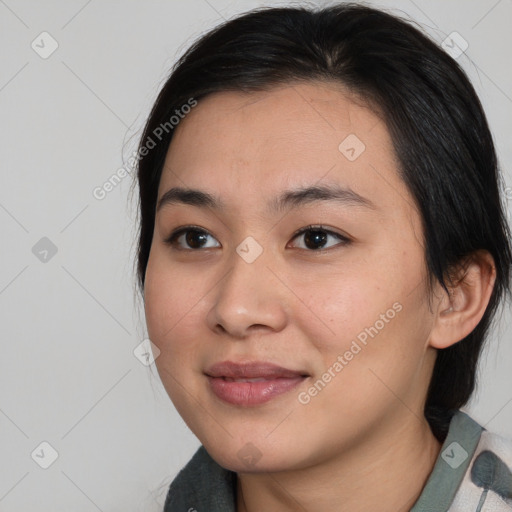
{"points": [[385, 473]]}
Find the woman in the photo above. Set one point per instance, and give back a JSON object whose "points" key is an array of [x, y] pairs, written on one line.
{"points": [[322, 250]]}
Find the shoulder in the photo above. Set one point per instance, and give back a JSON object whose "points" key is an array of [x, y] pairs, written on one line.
{"points": [[487, 481], [473, 472], [202, 485]]}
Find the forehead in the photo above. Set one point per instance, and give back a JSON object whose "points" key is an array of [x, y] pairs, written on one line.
{"points": [[241, 143], [307, 115]]}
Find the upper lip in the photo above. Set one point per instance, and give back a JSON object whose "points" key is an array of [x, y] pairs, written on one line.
{"points": [[251, 370]]}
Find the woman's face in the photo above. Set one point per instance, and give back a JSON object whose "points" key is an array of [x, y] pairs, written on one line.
{"points": [[341, 309]]}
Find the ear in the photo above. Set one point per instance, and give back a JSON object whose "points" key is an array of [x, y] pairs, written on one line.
{"points": [[459, 311]]}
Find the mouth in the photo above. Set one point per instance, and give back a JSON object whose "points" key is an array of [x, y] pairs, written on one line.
{"points": [[253, 383]]}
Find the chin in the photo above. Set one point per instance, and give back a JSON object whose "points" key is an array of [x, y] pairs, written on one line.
{"points": [[250, 461], [253, 456]]}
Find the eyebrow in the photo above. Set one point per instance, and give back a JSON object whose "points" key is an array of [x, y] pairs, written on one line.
{"points": [[288, 199]]}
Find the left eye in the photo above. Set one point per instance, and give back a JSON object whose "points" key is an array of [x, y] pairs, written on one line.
{"points": [[316, 238]]}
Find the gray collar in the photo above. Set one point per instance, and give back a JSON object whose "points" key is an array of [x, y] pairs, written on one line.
{"points": [[202, 485]]}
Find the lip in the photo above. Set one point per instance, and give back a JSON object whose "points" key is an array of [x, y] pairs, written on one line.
{"points": [[252, 383]]}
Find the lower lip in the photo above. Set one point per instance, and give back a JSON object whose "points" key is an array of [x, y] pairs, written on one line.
{"points": [[251, 393]]}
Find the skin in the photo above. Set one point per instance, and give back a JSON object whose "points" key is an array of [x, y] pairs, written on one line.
{"points": [[300, 308]]}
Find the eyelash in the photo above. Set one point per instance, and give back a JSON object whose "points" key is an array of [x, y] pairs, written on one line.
{"points": [[172, 238]]}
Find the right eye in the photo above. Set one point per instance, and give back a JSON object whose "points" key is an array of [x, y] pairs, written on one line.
{"points": [[196, 238]]}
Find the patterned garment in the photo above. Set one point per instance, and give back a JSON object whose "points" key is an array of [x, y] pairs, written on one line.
{"points": [[473, 473]]}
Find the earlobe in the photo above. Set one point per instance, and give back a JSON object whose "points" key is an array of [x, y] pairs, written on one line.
{"points": [[460, 310]]}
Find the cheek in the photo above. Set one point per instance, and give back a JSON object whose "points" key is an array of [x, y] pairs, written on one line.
{"points": [[339, 306], [166, 301], [371, 312], [372, 364], [159, 304], [176, 305], [172, 317]]}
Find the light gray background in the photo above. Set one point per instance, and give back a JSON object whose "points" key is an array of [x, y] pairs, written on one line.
{"points": [[68, 375]]}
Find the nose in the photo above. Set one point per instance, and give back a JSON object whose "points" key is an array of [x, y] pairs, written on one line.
{"points": [[249, 298]]}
